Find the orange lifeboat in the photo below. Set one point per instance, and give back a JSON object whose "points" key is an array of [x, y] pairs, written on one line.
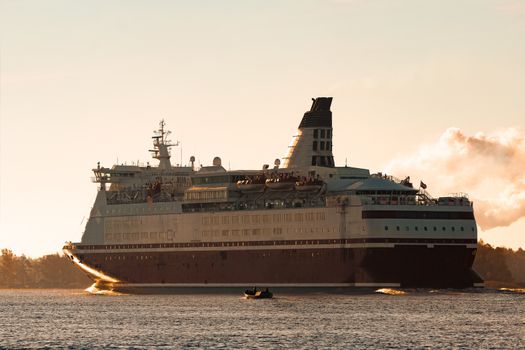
{"points": [[252, 184], [311, 185], [283, 182]]}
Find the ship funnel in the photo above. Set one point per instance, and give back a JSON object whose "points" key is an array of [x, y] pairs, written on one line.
{"points": [[313, 143]]}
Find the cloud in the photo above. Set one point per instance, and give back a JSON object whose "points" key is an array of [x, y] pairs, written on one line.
{"points": [[491, 169]]}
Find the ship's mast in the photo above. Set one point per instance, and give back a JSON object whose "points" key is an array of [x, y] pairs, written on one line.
{"points": [[162, 145]]}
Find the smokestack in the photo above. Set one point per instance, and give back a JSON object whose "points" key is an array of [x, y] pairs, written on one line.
{"points": [[312, 146]]}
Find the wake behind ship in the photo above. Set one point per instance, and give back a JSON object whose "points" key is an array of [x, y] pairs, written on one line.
{"points": [[308, 223]]}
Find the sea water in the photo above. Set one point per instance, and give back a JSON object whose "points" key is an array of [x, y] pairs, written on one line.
{"points": [[385, 319]]}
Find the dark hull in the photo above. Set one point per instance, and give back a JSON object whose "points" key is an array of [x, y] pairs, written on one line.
{"points": [[410, 266]]}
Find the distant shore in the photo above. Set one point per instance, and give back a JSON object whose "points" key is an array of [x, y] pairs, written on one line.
{"points": [[499, 267]]}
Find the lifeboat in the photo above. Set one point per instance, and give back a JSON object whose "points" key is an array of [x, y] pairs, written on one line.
{"points": [[249, 186], [255, 184], [280, 184], [308, 186]]}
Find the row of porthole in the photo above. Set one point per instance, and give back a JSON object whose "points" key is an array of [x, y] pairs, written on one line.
{"points": [[137, 257], [425, 228]]}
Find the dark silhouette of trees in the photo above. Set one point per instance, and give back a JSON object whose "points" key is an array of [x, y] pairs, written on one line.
{"points": [[49, 271], [500, 266]]}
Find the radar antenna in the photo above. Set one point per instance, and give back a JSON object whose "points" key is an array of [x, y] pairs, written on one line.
{"points": [[162, 146]]}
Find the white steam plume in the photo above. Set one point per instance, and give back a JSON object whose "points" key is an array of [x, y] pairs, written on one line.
{"points": [[491, 169]]}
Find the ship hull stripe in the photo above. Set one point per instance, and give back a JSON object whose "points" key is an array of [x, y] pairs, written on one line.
{"points": [[295, 244], [277, 285], [275, 247]]}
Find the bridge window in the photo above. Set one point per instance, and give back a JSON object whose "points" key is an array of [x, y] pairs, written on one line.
{"points": [[322, 133], [316, 133], [314, 146], [322, 145]]}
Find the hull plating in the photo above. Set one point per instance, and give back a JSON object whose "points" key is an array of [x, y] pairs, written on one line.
{"points": [[398, 266]]}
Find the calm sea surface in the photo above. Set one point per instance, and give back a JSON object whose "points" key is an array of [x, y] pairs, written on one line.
{"points": [[417, 319]]}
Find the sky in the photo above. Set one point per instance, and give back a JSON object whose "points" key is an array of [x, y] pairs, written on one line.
{"points": [[413, 82]]}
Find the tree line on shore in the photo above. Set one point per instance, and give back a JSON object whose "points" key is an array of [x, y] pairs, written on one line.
{"points": [[498, 267]]}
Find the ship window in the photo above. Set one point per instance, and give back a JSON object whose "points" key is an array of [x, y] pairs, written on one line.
{"points": [[328, 134], [314, 160], [322, 133], [425, 228], [435, 228], [443, 228], [416, 228], [453, 228], [314, 146], [322, 146], [397, 228], [316, 133], [472, 228], [407, 228], [462, 228], [386, 228], [328, 146]]}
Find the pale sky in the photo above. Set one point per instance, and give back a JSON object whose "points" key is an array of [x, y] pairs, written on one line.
{"points": [[88, 81]]}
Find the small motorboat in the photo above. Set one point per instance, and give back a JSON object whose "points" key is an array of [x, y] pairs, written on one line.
{"points": [[257, 294]]}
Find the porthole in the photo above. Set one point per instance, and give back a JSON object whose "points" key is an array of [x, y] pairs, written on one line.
{"points": [[443, 228], [453, 228], [435, 228], [397, 228], [462, 228], [407, 228], [425, 228], [386, 228], [416, 228]]}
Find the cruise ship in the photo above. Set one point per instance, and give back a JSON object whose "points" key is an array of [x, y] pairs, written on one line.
{"points": [[305, 223]]}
